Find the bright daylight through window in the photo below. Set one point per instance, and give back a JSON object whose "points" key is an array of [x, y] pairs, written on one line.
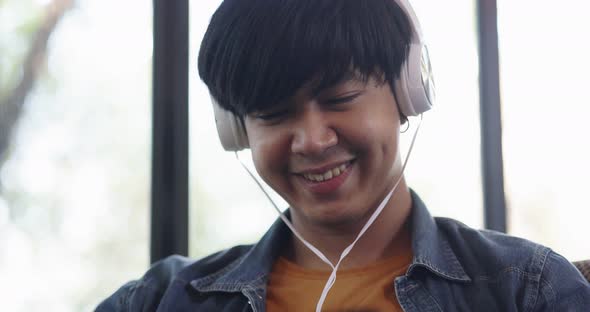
{"points": [[75, 97], [544, 69]]}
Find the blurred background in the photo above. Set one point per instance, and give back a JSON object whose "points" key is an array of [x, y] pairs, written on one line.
{"points": [[75, 140]]}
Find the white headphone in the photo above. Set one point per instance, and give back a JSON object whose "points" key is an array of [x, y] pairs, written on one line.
{"points": [[414, 89]]}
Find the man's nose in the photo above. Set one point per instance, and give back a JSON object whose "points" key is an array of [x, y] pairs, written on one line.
{"points": [[312, 133]]}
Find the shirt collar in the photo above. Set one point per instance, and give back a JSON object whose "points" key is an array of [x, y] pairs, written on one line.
{"points": [[430, 246], [252, 269], [431, 249]]}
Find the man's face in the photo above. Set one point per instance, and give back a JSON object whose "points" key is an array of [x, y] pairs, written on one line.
{"points": [[332, 155]]}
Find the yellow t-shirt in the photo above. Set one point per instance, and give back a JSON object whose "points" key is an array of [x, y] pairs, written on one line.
{"points": [[294, 288]]}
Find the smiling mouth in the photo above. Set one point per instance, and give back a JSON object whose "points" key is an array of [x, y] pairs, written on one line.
{"points": [[328, 174]]}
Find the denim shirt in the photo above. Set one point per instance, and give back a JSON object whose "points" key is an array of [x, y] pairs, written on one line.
{"points": [[455, 268]]}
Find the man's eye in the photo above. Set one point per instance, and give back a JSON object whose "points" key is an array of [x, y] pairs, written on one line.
{"points": [[271, 116], [342, 100]]}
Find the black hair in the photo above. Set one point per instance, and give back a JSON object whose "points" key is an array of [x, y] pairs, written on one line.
{"points": [[258, 53]]}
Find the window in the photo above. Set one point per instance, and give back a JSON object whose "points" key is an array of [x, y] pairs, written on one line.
{"points": [[445, 168], [544, 66], [74, 199]]}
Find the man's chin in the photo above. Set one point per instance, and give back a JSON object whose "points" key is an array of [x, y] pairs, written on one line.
{"points": [[335, 217]]}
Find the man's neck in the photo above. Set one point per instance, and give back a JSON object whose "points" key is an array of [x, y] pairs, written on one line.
{"points": [[387, 236]]}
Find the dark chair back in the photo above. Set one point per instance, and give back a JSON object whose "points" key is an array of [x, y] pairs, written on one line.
{"points": [[584, 267]]}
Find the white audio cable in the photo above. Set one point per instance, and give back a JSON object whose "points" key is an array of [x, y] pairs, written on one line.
{"points": [[376, 213]]}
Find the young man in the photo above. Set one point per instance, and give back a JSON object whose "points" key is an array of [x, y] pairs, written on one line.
{"points": [[318, 89]]}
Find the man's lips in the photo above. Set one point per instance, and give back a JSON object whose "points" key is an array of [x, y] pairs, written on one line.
{"points": [[323, 168], [325, 179], [328, 181]]}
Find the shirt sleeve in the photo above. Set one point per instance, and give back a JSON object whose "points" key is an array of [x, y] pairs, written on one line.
{"points": [[562, 287], [119, 301], [145, 294], [136, 296]]}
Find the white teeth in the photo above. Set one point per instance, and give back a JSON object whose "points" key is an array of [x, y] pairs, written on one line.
{"points": [[330, 174], [336, 171]]}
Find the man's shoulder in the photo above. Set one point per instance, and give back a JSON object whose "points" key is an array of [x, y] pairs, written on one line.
{"points": [[492, 258], [145, 293], [214, 263], [162, 273], [498, 242], [486, 252]]}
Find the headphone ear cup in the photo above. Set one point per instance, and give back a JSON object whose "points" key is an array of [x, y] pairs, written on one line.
{"points": [[414, 89], [230, 128]]}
